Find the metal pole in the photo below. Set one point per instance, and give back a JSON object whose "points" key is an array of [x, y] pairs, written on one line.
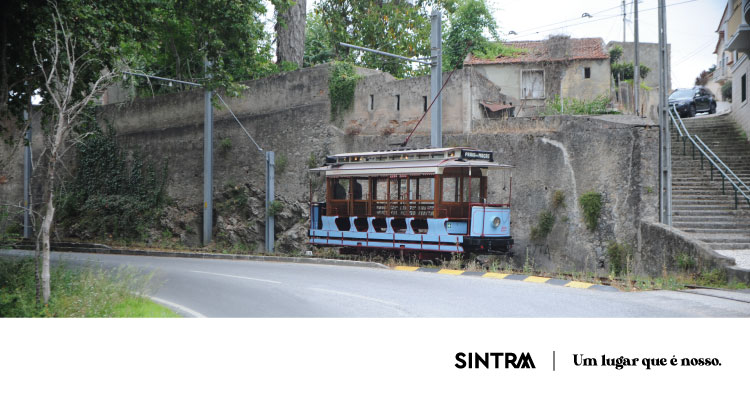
{"points": [[665, 159], [270, 172], [637, 66], [383, 53], [436, 78], [208, 164], [623, 22], [27, 175]]}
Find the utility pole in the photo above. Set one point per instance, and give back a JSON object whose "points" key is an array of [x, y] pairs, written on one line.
{"points": [[270, 172], [637, 65], [665, 156], [27, 173], [623, 21], [436, 78], [208, 163]]}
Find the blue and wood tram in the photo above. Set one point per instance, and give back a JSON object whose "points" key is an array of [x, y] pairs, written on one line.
{"points": [[421, 200]]}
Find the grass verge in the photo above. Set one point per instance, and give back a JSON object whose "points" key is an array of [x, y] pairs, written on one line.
{"points": [[81, 292]]}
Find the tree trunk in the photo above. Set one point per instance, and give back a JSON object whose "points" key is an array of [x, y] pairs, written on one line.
{"points": [[290, 34], [46, 227]]}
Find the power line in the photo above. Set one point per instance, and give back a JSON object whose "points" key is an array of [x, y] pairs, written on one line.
{"points": [[605, 18], [568, 20]]}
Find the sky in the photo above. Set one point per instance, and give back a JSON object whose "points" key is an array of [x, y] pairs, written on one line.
{"points": [[691, 26]]}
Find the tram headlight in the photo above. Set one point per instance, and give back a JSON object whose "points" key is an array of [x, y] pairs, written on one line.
{"points": [[496, 222]]}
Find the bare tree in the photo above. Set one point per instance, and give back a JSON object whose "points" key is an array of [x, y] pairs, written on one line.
{"points": [[62, 68], [290, 34]]}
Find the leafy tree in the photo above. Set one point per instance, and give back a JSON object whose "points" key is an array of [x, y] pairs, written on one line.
{"points": [[623, 70], [704, 76], [395, 26], [318, 46], [469, 20]]}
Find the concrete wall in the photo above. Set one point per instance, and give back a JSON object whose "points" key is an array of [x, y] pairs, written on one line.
{"points": [[559, 78], [648, 55], [290, 114], [375, 105]]}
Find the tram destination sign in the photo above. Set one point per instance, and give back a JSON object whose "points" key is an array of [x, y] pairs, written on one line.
{"points": [[476, 155]]}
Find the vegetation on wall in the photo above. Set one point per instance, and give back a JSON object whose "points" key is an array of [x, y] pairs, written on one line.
{"points": [[619, 256], [624, 71], [341, 84], [545, 222], [591, 204], [112, 195], [573, 106]]}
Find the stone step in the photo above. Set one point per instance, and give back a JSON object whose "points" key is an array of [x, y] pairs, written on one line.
{"points": [[730, 246], [724, 239], [733, 213]]}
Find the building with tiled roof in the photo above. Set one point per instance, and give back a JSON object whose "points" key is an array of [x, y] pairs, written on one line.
{"points": [[543, 69]]}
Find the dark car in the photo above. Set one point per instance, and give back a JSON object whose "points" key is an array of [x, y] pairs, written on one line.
{"points": [[692, 101]]}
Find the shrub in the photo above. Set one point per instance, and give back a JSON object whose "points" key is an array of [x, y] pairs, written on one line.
{"points": [[225, 145], [618, 256], [341, 84], [726, 91], [275, 208], [545, 222], [591, 204], [685, 261], [573, 106], [558, 199], [281, 162]]}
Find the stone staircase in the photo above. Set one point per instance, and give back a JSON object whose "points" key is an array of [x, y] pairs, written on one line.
{"points": [[699, 207]]}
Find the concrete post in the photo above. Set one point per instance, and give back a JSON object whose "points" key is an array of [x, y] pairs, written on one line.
{"points": [[665, 148], [270, 176], [436, 78], [637, 65], [208, 164]]}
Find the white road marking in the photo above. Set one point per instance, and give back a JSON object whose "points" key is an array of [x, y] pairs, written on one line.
{"points": [[237, 276], [356, 296], [191, 312]]}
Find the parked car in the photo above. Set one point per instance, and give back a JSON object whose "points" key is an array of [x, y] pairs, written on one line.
{"points": [[692, 101]]}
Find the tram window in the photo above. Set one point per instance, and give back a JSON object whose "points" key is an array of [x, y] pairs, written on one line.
{"points": [[451, 187], [360, 189], [381, 189], [472, 189], [396, 194], [422, 188], [341, 189]]}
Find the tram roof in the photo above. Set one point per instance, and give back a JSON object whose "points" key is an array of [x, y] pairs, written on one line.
{"points": [[425, 161]]}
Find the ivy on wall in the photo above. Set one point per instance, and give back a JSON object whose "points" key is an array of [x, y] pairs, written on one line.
{"points": [[341, 84], [111, 195]]}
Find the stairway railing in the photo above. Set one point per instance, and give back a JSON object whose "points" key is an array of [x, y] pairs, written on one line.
{"points": [[714, 161]]}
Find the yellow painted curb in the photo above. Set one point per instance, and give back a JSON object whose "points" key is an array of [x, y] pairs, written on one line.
{"points": [[579, 285], [450, 272], [495, 275], [536, 279], [405, 268]]}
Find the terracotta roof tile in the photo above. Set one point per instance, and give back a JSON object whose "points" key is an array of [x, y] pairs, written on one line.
{"points": [[554, 49]]}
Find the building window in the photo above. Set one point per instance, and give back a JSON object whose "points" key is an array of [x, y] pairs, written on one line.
{"points": [[372, 102], [424, 103], [586, 73], [743, 86], [398, 102], [532, 84]]}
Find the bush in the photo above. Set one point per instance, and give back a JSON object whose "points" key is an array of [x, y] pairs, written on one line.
{"points": [[545, 222], [84, 292], [558, 199], [275, 208], [341, 84], [573, 106], [618, 256], [591, 204], [685, 261]]}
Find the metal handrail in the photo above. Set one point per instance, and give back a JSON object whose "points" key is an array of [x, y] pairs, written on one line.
{"points": [[722, 162], [701, 150]]}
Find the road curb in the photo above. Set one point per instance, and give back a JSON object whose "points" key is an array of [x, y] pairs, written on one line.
{"points": [[103, 249], [515, 277]]}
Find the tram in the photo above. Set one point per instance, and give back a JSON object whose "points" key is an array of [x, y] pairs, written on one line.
{"points": [[432, 200]]}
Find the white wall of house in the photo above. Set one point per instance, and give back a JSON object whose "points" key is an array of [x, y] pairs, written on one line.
{"points": [[740, 107]]}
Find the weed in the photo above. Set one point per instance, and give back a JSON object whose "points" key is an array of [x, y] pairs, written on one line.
{"points": [[619, 257], [546, 220], [685, 261], [558, 200], [649, 189], [591, 204], [225, 145], [573, 106], [528, 264], [275, 208], [312, 162], [281, 163]]}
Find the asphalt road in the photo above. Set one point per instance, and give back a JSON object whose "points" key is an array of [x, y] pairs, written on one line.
{"points": [[224, 288]]}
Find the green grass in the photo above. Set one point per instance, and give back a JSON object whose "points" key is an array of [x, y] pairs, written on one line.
{"points": [[139, 307], [81, 292]]}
